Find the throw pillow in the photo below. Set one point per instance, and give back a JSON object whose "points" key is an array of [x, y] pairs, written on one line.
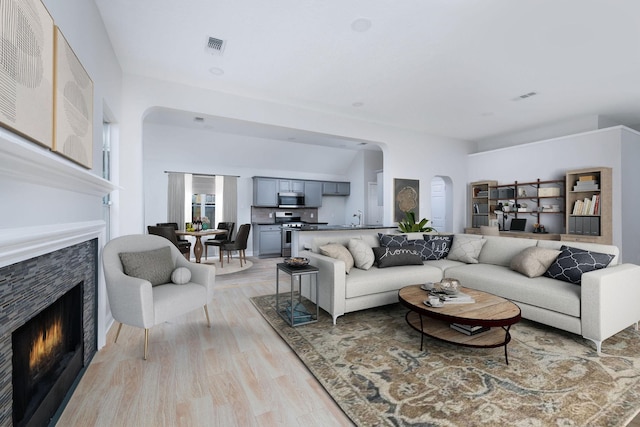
{"points": [[362, 254], [421, 246], [155, 266], [339, 252], [392, 240], [573, 262], [438, 246], [181, 275], [396, 256], [533, 261], [466, 248]]}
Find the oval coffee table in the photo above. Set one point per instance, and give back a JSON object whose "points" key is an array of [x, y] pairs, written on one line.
{"points": [[487, 310]]}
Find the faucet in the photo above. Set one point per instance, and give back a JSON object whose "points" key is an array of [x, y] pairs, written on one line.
{"points": [[359, 215]]}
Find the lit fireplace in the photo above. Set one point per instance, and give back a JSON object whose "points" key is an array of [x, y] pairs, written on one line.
{"points": [[47, 357]]}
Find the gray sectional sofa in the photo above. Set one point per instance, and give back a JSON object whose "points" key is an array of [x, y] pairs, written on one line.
{"points": [[606, 302]]}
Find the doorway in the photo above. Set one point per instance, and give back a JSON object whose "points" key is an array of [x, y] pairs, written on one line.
{"points": [[442, 203]]}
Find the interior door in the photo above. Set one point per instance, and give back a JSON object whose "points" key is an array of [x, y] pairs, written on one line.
{"points": [[438, 204]]}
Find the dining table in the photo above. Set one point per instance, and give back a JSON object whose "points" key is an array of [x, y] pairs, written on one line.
{"points": [[197, 248]]}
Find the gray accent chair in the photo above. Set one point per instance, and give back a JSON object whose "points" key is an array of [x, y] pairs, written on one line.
{"points": [[135, 302]]}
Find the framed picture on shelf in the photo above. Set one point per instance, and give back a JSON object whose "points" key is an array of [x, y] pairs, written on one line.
{"points": [[73, 108], [26, 74]]}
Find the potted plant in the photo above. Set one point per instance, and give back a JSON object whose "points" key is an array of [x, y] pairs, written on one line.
{"points": [[409, 224]]}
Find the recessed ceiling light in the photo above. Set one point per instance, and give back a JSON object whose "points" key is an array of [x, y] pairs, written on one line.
{"points": [[358, 104], [361, 25], [216, 71]]}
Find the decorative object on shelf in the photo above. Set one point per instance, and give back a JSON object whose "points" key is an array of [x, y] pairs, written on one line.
{"points": [[26, 99], [409, 225], [73, 125], [296, 261], [406, 197]]}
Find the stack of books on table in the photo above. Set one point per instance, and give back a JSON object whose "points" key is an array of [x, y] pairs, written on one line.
{"points": [[458, 298], [469, 330], [300, 313]]}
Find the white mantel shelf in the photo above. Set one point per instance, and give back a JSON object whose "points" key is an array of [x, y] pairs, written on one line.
{"points": [[24, 160]]}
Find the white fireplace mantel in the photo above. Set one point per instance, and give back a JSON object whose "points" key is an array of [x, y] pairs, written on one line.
{"points": [[26, 161]]}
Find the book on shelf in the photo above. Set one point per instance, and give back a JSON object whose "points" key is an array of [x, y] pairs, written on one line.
{"points": [[586, 185], [587, 178], [468, 330]]}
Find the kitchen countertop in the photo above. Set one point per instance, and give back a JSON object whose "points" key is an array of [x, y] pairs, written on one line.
{"points": [[338, 227]]}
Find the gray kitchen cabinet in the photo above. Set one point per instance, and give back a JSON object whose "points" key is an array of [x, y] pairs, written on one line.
{"points": [[265, 192], [269, 240], [313, 194], [332, 188], [290, 186]]}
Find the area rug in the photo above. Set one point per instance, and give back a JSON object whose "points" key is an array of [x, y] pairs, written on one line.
{"points": [[233, 266], [372, 366]]}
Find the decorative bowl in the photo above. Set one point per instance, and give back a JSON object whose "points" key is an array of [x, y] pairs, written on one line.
{"points": [[296, 261], [449, 286]]}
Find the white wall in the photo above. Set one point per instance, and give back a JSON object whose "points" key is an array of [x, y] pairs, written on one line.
{"points": [[630, 196], [550, 159], [406, 153]]}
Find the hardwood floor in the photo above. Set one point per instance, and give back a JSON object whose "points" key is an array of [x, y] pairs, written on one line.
{"points": [[238, 373]]}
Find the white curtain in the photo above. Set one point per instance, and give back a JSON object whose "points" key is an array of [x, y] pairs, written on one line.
{"points": [[176, 199]]}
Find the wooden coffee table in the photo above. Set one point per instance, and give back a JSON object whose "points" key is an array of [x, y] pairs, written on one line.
{"points": [[487, 310]]}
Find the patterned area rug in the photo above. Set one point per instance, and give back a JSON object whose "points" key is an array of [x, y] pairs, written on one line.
{"points": [[372, 366]]}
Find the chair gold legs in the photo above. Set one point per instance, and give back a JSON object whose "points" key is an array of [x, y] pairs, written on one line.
{"points": [[206, 313], [146, 343], [118, 332]]}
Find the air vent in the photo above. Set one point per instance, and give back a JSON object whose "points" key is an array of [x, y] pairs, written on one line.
{"points": [[525, 96], [215, 46]]}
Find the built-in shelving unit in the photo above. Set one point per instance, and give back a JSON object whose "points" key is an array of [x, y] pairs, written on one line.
{"points": [[589, 205], [481, 212]]}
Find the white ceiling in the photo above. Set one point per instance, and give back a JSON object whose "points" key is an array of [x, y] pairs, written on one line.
{"points": [[445, 67]]}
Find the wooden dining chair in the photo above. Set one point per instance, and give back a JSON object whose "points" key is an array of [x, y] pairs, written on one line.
{"points": [[220, 239], [239, 244]]}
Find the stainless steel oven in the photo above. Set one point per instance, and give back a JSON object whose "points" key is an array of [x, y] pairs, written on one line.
{"points": [[288, 222]]}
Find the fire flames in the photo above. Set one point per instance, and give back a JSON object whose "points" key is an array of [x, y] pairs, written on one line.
{"points": [[46, 344]]}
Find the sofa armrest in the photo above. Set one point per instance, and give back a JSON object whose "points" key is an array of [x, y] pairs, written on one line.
{"points": [[609, 301], [331, 282]]}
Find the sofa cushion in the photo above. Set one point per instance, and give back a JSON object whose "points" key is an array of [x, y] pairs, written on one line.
{"points": [[397, 256], [437, 247], [181, 275], [389, 240], [339, 252], [542, 292], [368, 283], [155, 265], [362, 254], [573, 262], [500, 250], [466, 248], [533, 261]]}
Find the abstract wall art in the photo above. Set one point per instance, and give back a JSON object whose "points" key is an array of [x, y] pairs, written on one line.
{"points": [[406, 197]]}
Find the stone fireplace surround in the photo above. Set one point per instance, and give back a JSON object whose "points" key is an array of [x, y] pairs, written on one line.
{"points": [[40, 262]]}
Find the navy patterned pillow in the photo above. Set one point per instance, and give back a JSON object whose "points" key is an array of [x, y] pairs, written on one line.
{"points": [[421, 246], [573, 262], [396, 255], [392, 240], [438, 246]]}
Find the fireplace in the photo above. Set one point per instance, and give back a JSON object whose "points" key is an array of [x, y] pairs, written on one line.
{"points": [[30, 290], [47, 358]]}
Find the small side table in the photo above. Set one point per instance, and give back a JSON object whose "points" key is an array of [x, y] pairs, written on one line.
{"points": [[291, 315]]}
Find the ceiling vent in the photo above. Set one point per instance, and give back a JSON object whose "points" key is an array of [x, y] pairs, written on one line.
{"points": [[215, 46], [525, 96]]}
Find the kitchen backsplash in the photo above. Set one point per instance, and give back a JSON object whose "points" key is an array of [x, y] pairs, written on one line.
{"points": [[267, 215]]}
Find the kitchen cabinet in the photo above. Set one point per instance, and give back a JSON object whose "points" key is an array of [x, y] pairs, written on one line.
{"points": [[313, 194], [290, 186], [332, 188], [265, 192], [268, 240]]}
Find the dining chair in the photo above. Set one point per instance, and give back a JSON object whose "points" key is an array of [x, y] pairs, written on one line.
{"points": [[169, 233], [181, 242], [220, 239], [147, 285], [239, 244]]}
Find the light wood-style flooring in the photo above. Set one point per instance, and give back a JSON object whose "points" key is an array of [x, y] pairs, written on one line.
{"points": [[238, 373]]}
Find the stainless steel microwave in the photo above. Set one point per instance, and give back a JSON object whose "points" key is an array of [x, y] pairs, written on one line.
{"points": [[291, 200]]}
